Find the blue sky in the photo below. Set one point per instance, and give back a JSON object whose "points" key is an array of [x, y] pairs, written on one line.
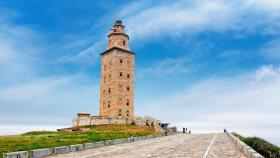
{"points": [[200, 64]]}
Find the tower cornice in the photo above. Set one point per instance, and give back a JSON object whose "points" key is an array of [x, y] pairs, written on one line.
{"points": [[117, 48], [118, 33]]}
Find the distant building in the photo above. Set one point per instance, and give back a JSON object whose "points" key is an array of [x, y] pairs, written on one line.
{"points": [[117, 75]]}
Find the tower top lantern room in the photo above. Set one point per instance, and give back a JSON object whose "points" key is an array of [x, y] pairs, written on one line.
{"points": [[117, 37]]}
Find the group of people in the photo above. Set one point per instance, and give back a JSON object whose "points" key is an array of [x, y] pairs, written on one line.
{"points": [[185, 130]]}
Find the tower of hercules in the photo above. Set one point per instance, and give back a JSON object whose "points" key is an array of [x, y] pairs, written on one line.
{"points": [[117, 75]]}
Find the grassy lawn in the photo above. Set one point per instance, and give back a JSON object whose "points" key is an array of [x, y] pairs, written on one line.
{"points": [[47, 139]]}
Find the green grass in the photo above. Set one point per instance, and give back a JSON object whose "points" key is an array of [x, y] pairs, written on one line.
{"points": [[262, 146], [47, 139]]}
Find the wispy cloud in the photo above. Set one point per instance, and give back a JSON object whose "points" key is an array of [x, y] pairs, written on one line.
{"points": [[30, 90], [239, 103], [168, 66], [183, 17], [271, 50]]}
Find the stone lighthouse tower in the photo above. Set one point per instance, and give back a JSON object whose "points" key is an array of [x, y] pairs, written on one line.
{"points": [[117, 75]]}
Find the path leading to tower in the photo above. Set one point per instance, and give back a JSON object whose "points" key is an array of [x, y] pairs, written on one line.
{"points": [[179, 145]]}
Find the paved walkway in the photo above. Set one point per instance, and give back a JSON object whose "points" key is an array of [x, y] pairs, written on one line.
{"points": [[174, 146]]}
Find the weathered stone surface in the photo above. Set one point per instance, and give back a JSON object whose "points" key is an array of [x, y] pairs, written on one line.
{"points": [[90, 145], [40, 153], [224, 147], [20, 154], [61, 150], [76, 147], [173, 146]]}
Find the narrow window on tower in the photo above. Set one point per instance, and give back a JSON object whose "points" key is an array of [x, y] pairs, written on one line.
{"points": [[109, 90], [128, 63], [121, 74], [127, 88], [128, 75], [123, 43], [127, 112], [120, 102], [109, 104], [120, 87], [120, 112], [121, 61], [127, 102]]}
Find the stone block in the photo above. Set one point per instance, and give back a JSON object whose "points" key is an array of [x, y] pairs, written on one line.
{"points": [[20, 154], [76, 147], [100, 143], [125, 140], [40, 153], [61, 150], [109, 142], [90, 145], [117, 141]]}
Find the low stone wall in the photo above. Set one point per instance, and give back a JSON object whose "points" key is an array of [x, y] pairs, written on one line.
{"points": [[77, 147], [247, 150], [40, 152], [20, 154]]}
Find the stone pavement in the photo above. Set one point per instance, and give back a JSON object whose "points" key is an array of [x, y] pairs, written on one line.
{"points": [[179, 145]]}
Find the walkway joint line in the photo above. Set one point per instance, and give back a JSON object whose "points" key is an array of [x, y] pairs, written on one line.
{"points": [[209, 147]]}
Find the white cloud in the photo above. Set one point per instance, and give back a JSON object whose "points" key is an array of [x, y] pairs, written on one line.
{"points": [[20, 47], [28, 90], [271, 50], [202, 15], [168, 66], [41, 100], [240, 103]]}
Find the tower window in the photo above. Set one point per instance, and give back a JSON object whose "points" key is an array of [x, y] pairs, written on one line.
{"points": [[120, 87], [128, 75], [127, 88], [127, 112], [127, 102], [109, 90], [120, 112], [121, 61], [120, 74], [128, 63], [124, 43], [120, 101], [109, 104]]}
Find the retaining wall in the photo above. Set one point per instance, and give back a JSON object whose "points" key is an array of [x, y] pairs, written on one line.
{"points": [[247, 150], [77, 147]]}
